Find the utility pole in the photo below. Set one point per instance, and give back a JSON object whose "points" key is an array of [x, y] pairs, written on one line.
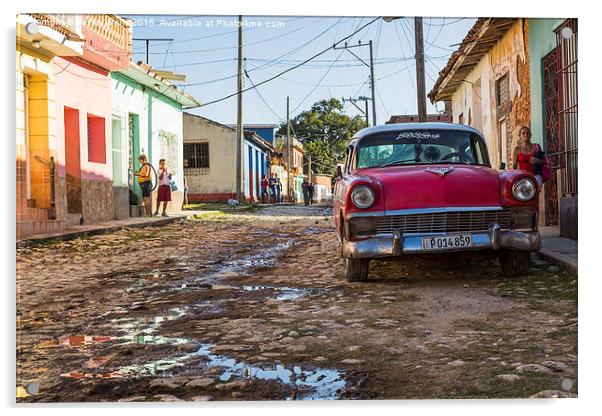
{"points": [[373, 84], [371, 66], [239, 126], [288, 151], [309, 170], [149, 40], [420, 84], [365, 100]]}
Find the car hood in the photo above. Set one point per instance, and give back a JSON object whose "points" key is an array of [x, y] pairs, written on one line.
{"points": [[425, 186]]}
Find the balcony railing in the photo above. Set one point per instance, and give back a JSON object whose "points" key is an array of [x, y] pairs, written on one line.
{"points": [[109, 37]]}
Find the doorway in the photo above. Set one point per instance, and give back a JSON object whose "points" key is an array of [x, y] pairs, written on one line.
{"points": [[550, 93], [72, 162]]}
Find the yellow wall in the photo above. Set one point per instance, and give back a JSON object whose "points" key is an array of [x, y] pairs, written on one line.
{"points": [[220, 176], [35, 70]]}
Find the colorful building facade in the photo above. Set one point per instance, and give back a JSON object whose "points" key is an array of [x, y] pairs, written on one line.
{"points": [[487, 81], [147, 119], [40, 38], [84, 114], [210, 161], [553, 71]]}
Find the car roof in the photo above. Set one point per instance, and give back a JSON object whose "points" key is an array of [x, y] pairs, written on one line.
{"points": [[412, 126]]}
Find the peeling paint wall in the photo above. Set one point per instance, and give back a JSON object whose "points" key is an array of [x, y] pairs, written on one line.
{"points": [[509, 56]]}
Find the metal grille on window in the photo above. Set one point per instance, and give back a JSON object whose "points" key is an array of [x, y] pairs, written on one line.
{"points": [[566, 64]]}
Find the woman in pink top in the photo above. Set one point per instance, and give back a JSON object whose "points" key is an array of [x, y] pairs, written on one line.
{"points": [[164, 192]]}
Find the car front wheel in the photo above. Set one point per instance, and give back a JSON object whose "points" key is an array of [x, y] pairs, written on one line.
{"points": [[515, 262], [356, 270]]}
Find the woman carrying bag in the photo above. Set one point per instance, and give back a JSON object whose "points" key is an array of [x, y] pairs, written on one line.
{"points": [[164, 192]]}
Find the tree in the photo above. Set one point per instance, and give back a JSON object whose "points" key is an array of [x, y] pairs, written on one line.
{"points": [[325, 131]]}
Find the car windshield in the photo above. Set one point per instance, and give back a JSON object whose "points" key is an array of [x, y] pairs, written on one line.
{"points": [[423, 147]]}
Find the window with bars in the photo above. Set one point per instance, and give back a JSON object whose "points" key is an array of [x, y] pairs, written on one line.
{"points": [[196, 155], [502, 91]]}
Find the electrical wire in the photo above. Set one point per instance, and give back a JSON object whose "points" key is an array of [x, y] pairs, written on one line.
{"points": [[297, 66], [448, 23], [318, 84], [216, 34], [289, 53], [246, 45], [412, 82], [261, 97]]}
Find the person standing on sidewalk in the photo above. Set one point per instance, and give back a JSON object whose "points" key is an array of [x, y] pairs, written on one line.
{"points": [[164, 193], [272, 189], [310, 192], [144, 181], [278, 190], [264, 189], [304, 187]]}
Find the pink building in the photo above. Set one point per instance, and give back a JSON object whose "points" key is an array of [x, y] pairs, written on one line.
{"points": [[83, 120]]}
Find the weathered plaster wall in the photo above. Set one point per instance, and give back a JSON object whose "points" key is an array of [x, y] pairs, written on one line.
{"points": [[510, 55]]}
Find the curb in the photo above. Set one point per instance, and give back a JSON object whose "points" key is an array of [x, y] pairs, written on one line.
{"points": [[562, 260], [97, 231]]}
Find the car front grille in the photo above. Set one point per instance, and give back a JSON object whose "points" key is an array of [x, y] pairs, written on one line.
{"points": [[444, 222]]}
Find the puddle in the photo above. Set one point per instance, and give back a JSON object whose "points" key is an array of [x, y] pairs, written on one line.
{"points": [[317, 384], [285, 293], [314, 384]]}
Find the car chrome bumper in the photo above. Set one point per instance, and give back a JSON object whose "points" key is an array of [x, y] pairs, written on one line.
{"points": [[398, 244]]}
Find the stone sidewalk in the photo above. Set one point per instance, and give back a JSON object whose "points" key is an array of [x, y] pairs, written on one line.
{"points": [[107, 227], [559, 250]]}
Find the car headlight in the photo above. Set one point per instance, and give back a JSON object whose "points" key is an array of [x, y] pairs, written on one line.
{"points": [[524, 189], [362, 196]]}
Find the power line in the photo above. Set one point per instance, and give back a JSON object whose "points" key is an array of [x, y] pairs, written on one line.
{"points": [[291, 52], [412, 82], [312, 85], [246, 45], [436, 36], [217, 34], [292, 68], [448, 23], [261, 97], [317, 85]]}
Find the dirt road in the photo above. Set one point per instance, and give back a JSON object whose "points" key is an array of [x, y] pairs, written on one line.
{"points": [[254, 306]]}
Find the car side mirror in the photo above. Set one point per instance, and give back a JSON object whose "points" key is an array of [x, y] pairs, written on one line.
{"points": [[502, 166], [339, 171]]}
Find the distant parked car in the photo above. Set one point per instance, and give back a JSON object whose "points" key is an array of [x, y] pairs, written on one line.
{"points": [[419, 188]]}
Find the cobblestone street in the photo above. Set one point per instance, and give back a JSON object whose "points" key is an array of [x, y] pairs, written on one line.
{"points": [[254, 306]]}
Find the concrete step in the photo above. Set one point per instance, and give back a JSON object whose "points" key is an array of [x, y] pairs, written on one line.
{"points": [[32, 214], [28, 228]]}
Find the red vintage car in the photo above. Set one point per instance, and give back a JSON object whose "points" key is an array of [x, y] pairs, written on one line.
{"points": [[419, 188]]}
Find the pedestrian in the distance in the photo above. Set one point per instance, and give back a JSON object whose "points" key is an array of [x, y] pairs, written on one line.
{"points": [[185, 202], [304, 187], [264, 189], [164, 193], [272, 189], [278, 190], [310, 193], [144, 181]]}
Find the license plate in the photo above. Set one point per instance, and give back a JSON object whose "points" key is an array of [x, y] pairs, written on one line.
{"points": [[446, 242]]}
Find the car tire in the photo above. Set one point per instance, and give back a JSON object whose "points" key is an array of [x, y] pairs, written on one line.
{"points": [[356, 270], [515, 262]]}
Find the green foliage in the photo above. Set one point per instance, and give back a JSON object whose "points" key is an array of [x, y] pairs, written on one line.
{"points": [[325, 131]]}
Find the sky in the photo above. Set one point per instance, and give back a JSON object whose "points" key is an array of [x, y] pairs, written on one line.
{"points": [[204, 48]]}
